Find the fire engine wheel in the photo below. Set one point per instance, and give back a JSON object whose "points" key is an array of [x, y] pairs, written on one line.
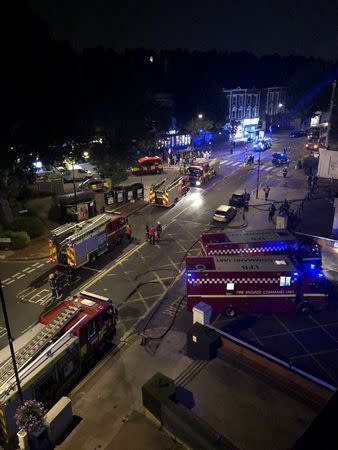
{"points": [[175, 201], [230, 312], [92, 258], [305, 309]]}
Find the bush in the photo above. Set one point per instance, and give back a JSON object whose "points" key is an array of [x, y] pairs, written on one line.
{"points": [[20, 239], [33, 226]]}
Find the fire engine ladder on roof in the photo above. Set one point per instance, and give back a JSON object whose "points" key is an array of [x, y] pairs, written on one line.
{"points": [[33, 347]]}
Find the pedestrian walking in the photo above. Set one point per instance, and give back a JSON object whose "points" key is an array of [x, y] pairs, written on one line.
{"points": [[152, 235], [158, 230], [309, 181], [285, 172], [128, 232], [266, 191], [168, 161], [272, 211], [175, 160]]}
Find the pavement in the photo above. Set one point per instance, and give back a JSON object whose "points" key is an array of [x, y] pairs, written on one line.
{"points": [[240, 406]]}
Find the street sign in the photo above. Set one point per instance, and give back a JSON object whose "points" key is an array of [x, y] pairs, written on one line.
{"points": [[5, 240]]}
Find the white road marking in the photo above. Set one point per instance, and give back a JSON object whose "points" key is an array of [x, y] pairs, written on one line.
{"points": [[46, 262], [16, 274], [235, 164], [35, 264], [30, 271], [10, 282], [25, 270], [22, 275], [223, 162], [269, 168], [3, 332], [229, 162], [40, 265], [5, 281]]}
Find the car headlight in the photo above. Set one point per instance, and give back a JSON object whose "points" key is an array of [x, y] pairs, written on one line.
{"points": [[198, 183]]}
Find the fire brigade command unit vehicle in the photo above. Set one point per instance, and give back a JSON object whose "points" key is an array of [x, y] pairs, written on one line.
{"points": [[148, 165], [169, 190], [75, 244], [258, 242], [256, 284], [52, 355], [202, 170]]}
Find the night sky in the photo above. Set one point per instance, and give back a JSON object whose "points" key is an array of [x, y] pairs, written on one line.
{"points": [[263, 26]]}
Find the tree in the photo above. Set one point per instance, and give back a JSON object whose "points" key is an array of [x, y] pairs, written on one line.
{"points": [[114, 155], [195, 126]]}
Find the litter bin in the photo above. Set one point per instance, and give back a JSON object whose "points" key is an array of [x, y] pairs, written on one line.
{"points": [[118, 194], [109, 198], [202, 342], [128, 193], [138, 191]]}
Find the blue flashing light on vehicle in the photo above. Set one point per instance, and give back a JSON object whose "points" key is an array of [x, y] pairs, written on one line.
{"points": [[295, 274], [312, 266], [188, 274]]}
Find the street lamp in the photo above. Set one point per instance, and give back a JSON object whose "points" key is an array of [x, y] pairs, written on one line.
{"points": [[10, 342], [258, 171], [200, 116], [280, 105], [74, 187], [86, 155]]}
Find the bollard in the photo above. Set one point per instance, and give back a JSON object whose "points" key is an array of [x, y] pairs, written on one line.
{"points": [[23, 440]]}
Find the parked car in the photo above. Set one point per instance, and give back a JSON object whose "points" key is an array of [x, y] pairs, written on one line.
{"points": [[280, 158], [93, 184], [77, 175], [297, 133], [261, 146], [224, 213], [238, 198]]}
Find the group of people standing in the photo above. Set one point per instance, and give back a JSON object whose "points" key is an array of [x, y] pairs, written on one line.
{"points": [[153, 233], [185, 158]]}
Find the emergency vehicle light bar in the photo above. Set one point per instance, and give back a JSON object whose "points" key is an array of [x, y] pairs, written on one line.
{"points": [[96, 296]]}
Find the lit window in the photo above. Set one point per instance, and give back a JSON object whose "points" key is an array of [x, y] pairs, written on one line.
{"points": [[230, 286], [280, 262], [285, 281]]}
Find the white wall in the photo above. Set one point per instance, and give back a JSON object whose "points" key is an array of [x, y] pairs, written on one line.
{"points": [[328, 164]]}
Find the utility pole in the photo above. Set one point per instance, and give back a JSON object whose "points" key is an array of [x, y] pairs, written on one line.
{"points": [[258, 173], [74, 187], [332, 105], [10, 342]]}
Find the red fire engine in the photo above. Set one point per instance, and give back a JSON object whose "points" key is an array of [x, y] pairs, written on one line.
{"points": [[75, 244], [258, 242], [270, 283], [147, 165], [53, 354]]}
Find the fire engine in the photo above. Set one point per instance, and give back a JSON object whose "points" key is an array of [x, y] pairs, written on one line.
{"points": [[169, 190], [52, 355], [258, 242], [75, 244], [260, 284], [202, 170], [147, 165]]}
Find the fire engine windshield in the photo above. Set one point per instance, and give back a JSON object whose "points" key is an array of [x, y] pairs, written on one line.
{"points": [[195, 171]]}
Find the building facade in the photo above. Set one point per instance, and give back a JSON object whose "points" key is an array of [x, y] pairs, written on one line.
{"points": [[254, 109]]}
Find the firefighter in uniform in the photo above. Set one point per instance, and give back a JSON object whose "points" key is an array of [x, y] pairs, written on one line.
{"points": [[128, 232], [54, 285], [158, 230]]}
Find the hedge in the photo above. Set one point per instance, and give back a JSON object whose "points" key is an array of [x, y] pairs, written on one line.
{"points": [[20, 239], [33, 226]]}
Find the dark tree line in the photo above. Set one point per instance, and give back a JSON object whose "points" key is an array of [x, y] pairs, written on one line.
{"points": [[51, 95]]}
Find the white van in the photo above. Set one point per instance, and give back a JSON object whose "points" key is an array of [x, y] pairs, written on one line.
{"points": [[77, 175]]}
